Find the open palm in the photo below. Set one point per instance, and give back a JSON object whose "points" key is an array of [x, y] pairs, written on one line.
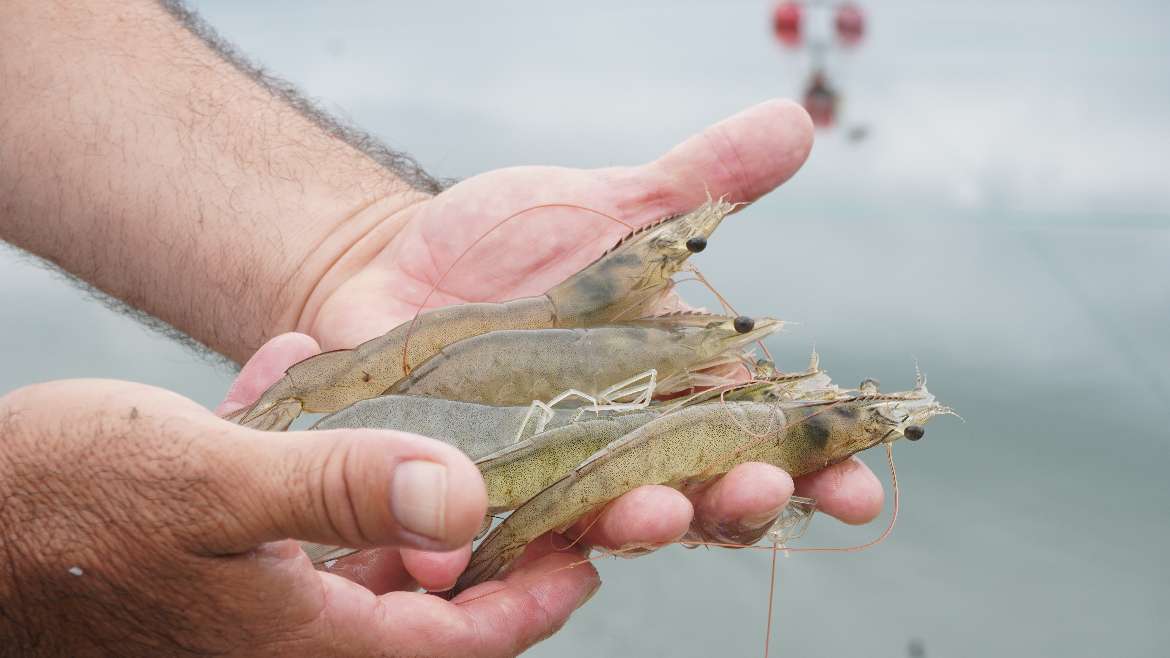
{"points": [[742, 157]]}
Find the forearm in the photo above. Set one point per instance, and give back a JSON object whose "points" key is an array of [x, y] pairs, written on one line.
{"points": [[136, 157]]}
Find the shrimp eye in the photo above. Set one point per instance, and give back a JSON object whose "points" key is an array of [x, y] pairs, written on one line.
{"points": [[913, 432], [696, 244], [744, 324], [869, 386]]}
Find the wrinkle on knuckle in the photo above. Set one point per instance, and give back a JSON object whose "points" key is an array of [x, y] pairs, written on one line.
{"points": [[330, 483], [726, 154], [546, 623], [457, 635], [490, 640]]}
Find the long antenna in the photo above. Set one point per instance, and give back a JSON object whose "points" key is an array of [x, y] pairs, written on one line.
{"points": [[771, 595]]}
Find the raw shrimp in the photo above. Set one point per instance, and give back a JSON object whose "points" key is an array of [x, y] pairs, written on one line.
{"points": [[626, 282], [697, 443], [517, 367], [476, 429]]}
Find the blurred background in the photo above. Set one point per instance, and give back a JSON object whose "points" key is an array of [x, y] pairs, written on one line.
{"points": [[990, 197]]}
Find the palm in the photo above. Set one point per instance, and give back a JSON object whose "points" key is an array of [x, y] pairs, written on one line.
{"points": [[450, 250]]}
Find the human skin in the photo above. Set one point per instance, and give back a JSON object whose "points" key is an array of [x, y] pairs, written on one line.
{"points": [[137, 158]]}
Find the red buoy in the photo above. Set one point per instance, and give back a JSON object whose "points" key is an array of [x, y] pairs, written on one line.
{"points": [[820, 101], [850, 24], [786, 23]]}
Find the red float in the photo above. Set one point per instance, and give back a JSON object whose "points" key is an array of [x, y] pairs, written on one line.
{"points": [[820, 101], [786, 22], [850, 24]]}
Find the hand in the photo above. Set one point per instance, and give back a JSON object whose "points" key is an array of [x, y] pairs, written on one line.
{"points": [[380, 283], [136, 523]]}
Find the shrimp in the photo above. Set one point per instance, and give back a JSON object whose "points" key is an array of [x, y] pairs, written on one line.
{"points": [[477, 429], [522, 470], [516, 367], [768, 385], [625, 282], [517, 473], [694, 444]]}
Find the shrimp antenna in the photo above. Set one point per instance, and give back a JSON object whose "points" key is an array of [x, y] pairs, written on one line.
{"points": [[581, 535], [889, 526], [775, 548], [423, 304], [727, 307], [771, 597]]}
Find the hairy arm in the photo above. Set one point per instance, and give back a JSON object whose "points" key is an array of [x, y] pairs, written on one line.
{"points": [[142, 156]]}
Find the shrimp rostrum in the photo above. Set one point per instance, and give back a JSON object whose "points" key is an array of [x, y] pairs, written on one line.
{"points": [[627, 282]]}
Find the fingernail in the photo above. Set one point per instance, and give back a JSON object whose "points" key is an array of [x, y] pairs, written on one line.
{"points": [[418, 498], [588, 595]]}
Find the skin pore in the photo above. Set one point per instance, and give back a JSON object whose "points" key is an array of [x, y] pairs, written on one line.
{"points": [[168, 175]]}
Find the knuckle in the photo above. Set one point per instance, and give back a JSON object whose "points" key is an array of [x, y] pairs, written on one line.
{"points": [[330, 479], [540, 622]]}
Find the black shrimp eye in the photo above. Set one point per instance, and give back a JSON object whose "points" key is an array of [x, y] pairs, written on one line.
{"points": [[913, 432], [696, 244], [744, 324]]}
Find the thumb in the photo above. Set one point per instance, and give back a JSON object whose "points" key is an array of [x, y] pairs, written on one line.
{"points": [[352, 488], [743, 156]]}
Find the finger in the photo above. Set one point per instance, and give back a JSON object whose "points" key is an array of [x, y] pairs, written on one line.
{"points": [[744, 156], [379, 570], [498, 618], [355, 488], [646, 518], [740, 506], [548, 544], [265, 367], [532, 602], [848, 491], [436, 571]]}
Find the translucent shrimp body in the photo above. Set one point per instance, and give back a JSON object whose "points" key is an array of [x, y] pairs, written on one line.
{"points": [[701, 442], [517, 473], [517, 367], [477, 429], [624, 283]]}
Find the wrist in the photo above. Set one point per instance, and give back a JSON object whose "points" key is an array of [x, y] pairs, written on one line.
{"points": [[344, 249]]}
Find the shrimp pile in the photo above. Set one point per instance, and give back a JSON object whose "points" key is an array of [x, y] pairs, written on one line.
{"points": [[569, 399]]}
